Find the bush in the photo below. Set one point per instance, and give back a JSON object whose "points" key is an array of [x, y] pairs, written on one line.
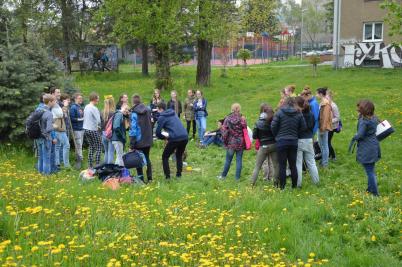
{"points": [[244, 54], [25, 71]]}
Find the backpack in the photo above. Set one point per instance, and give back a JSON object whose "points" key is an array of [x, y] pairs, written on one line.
{"points": [[32, 124], [109, 127]]}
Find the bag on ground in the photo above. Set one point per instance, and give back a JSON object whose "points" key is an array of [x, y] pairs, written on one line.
{"points": [[134, 159], [32, 124], [112, 183], [105, 171]]}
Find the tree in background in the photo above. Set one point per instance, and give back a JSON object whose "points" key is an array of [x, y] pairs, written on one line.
{"points": [[244, 54], [313, 16], [329, 15], [394, 18]]}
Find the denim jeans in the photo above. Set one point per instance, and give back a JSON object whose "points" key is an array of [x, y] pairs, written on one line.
{"points": [[109, 150], [212, 139], [371, 178], [323, 142], [239, 162], [201, 126], [118, 147], [63, 148], [53, 166], [265, 153], [305, 151], [44, 155]]}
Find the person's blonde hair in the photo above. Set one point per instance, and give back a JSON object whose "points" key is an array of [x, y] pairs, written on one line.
{"points": [[236, 107], [48, 98], [109, 107]]}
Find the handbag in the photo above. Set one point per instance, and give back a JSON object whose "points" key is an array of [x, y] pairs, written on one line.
{"points": [[247, 140], [384, 129], [133, 159], [257, 144], [339, 128]]}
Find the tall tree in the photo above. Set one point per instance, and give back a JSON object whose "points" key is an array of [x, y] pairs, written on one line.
{"points": [[314, 15], [394, 18], [260, 16]]}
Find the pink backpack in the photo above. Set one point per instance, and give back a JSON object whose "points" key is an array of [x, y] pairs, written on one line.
{"points": [[109, 128]]}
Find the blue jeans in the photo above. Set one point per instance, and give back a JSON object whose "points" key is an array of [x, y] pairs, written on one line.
{"points": [[371, 178], [44, 155], [109, 150], [201, 126], [239, 162], [63, 148], [323, 142], [212, 139]]}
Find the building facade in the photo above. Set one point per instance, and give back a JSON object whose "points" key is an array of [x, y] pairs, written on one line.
{"points": [[361, 35]]}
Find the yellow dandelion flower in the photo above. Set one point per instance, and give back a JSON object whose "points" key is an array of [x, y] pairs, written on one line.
{"points": [[373, 238]]}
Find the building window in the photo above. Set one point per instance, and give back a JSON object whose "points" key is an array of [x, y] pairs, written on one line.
{"points": [[372, 31]]}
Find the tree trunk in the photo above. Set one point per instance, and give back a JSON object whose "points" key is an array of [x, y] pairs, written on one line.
{"points": [[162, 62], [204, 51], [144, 50], [66, 17]]}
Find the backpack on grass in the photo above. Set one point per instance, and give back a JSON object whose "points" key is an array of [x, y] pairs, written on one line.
{"points": [[32, 124]]}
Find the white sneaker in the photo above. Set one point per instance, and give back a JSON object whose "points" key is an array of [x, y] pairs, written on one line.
{"points": [[220, 177]]}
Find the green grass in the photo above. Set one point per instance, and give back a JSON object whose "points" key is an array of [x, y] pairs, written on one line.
{"points": [[201, 221]]}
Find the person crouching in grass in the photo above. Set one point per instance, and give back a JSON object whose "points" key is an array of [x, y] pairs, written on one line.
{"points": [[213, 137]]}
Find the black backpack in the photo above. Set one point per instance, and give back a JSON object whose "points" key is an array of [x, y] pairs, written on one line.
{"points": [[32, 124]]}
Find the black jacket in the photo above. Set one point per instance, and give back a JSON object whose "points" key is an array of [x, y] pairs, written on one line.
{"points": [[287, 124], [310, 122], [143, 121], [262, 131]]}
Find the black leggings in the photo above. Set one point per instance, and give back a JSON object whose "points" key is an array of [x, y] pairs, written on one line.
{"points": [[331, 149], [287, 154], [140, 172], [171, 147], [189, 127]]}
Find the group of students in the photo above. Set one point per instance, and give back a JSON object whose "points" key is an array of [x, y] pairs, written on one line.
{"points": [[285, 137]]}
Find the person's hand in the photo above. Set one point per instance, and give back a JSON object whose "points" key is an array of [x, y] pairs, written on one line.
{"points": [[54, 141]]}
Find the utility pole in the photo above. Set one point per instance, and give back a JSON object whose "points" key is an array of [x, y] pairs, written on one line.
{"points": [[337, 30]]}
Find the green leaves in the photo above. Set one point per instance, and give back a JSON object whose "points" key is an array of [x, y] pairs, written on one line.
{"points": [[394, 18]]}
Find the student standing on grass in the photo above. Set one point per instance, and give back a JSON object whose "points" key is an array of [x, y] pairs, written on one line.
{"points": [[45, 142], [189, 111], [336, 120], [305, 146], [233, 140], [119, 133], [62, 149], [92, 126], [123, 99], [314, 106], [54, 91], [174, 103], [63, 142], [156, 99], [368, 147], [109, 110], [141, 133], [267, 151], [77, 121], [325, 124], [286, 126], [176, 136], [200, 113]]}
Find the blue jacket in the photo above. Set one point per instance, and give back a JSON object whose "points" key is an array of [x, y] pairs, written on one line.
{"points": [[200, 111], [368, 147], [119, 130], [315, 109], [170, 122], [76, 117]]}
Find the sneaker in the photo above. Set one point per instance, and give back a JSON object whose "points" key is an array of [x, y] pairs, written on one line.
{"points": [[185, 164], [220, 177]]}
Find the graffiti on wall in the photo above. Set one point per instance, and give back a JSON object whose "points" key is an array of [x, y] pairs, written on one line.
{"points": [[372, 54]]}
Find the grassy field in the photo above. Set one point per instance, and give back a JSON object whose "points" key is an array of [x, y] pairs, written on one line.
{"points": [[198, 220]]}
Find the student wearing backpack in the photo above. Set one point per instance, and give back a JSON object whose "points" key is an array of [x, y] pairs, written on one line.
{"points": [[368, 146], [108, 112], [77, 121], [176, 136], [141, 133], [286, 125], [119, 133], [200, 113], [305, 148], [45, 140], [325, 124], [233, 140], [92, 126]]}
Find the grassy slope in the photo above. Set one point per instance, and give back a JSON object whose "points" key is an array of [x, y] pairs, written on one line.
{"points": [[198, 219]]}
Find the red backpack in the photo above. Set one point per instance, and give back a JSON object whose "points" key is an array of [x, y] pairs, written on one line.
{"points": [[109, 128]]}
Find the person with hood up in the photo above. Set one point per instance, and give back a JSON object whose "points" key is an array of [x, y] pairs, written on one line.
{"points": [[140, 133], [176, 136], [286, 125]]}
